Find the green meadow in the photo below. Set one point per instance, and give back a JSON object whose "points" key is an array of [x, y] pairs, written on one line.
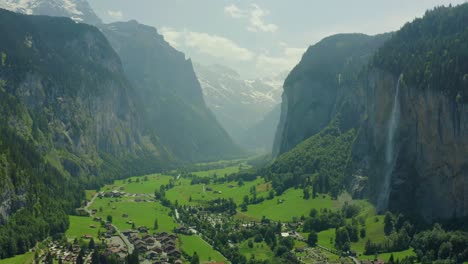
{"points": [[191, 244], [199, 193], [20, 259], [141, 213], [80, 226], [281, 208], [220, 172], [261, 251], [288, 205]]}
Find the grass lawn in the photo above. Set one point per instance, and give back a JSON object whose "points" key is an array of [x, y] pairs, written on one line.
{"points": [[220, 172], [90, 194], [191, 244], [261, 251], [146, 187], [183, 191], [327, 238], [293, 205], [80, 225], [141, 213], [396, 255], [374, 232], [20, 259]]}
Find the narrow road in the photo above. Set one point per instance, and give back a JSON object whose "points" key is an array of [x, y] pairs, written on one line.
{"points": [[86, 208], [355, 260], [130, 246]]}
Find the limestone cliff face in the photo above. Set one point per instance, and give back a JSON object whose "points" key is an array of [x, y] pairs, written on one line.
{"points": [[430, 173], [77, 105], [321, 85], [171, 96]]}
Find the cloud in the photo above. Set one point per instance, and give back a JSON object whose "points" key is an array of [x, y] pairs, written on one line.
{"points": [[207, 44], [271, 65], [171, 35], [255, 17], [256, 20], [115, 14], [217, 46], [234, 12]]}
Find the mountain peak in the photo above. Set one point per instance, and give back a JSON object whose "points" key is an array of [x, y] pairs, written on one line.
{"points": [[78, 10]]}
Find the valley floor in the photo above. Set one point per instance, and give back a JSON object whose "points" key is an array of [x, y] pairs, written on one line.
{"points": [[129, 209]]}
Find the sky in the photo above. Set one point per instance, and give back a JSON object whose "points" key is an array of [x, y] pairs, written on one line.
{"points": [[261, 38]]}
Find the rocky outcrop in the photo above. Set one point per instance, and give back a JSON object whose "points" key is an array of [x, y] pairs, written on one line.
{"points": [[323, 82], [172, 99], [430, 173], [76, 104]]}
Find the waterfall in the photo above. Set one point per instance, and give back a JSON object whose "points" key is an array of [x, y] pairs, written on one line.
{"points": [[390, 157]]}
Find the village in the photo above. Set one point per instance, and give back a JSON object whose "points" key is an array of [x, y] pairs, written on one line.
{"points": [[157, 247]]}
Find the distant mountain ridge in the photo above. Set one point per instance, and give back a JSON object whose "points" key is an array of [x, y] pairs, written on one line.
{"points": [[173, 100], [239, 104], [78, 10]]}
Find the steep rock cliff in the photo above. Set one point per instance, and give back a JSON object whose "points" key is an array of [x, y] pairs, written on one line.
{"points": [[171, 94], [428, 168], [321, 84]]}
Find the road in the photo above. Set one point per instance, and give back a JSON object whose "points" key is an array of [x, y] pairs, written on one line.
{"points": [[130, 246]]}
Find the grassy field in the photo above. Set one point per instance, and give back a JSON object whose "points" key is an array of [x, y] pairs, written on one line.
{"points": [[191, 244], [80, 225], [183, 191], [293, 205], [396, 255], [261, 251], [20, 259], [90, 194], [219, 172], [327, 238], [141, 213], [145, 187]]}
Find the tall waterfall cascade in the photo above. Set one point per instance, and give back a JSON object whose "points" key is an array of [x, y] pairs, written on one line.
{"points": [[390, 154]]}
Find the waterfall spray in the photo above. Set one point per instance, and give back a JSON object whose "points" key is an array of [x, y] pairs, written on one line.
{"points": [[390, 157]]}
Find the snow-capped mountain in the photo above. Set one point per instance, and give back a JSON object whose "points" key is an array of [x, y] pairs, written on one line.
{"points": [[239, 104], [78, 10]]}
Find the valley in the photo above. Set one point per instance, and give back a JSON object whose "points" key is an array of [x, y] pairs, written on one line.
{"points": [[195, 207], [257, 139]]}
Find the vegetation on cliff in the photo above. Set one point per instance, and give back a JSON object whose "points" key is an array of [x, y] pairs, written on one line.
{"points": [[431, 52]]}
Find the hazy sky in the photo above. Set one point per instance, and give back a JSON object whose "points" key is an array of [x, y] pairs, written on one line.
{"points": [[261, 37]]}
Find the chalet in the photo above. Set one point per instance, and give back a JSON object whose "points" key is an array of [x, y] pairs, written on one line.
{"points": [[150, 240], [182, 230], [92, 226], [141, 248], [94, 211], [300, 250], [170, 243], [97, 219], [125, 215], [168, 248], [175, 253], [166, 240], [142, 229], [128, 232], [87, 236], [156, 248], [152, 255]]}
